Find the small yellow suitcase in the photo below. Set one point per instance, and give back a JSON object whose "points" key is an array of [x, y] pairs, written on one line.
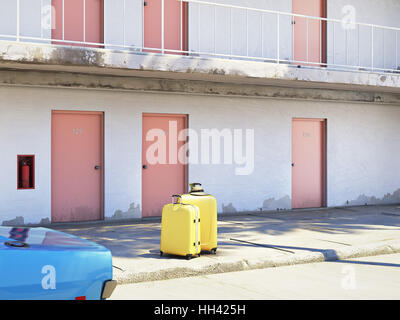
{"points": [[180, 229], [207, 205]]}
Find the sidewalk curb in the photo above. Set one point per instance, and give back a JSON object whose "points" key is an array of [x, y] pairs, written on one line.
{"points": [[387, 247]]}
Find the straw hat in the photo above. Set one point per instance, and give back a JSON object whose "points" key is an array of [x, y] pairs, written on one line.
{"points": [[197, 190]]}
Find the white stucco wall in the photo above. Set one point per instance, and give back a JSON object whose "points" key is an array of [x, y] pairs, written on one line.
{"points": [[28, 114], [363, 147]]}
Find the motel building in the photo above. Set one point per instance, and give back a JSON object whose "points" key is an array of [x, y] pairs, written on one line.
{"points": [[108, 107]]}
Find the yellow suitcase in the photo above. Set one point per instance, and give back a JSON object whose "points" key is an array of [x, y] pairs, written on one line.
{"points": [[207, 205], [180, 229]]}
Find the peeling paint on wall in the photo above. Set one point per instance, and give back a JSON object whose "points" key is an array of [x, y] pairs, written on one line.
{"points": [[228, 209], [80, 80], [18, 221], [208, 69], [389, 198], [45, 221], [132, 212], [273, 204], [78, 56]]}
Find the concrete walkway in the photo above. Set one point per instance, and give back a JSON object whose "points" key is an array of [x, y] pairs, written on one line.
{"points": [[250, 241]]}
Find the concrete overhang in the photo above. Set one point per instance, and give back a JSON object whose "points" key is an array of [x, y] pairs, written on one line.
{"points": [[47, 57]]}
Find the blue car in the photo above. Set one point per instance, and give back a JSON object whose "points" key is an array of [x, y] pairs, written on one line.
{"points": [[44, 264]]}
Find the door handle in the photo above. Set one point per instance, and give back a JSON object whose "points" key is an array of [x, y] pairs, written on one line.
{"points": [[96, 167]]}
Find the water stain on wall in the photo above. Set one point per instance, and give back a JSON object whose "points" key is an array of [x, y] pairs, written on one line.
{"points": [[18, 221], [132, 212], [389, 198], [45, 221], [76, 56], [277, 204], [228, 208]]}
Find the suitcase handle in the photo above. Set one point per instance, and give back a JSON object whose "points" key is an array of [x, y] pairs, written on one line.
{"points": [[176, 196]]}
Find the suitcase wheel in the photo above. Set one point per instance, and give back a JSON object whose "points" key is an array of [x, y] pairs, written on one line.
{"points": [[188, 256], [214, 251], [161, 253]]}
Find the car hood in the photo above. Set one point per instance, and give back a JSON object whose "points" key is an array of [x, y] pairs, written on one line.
{"points": [[45, 238], [40, 263]]}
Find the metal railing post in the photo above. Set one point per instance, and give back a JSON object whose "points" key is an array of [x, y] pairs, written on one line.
{"points": [[198, 27], [84, 20], [320, 41], [372, 48], [18, 31], [358, 45], [41, 19], [262, 35], [333, 44], [346, 33], [247, 33], [181, 26], [63, 19], [278, 42], [397, 53], [124, 22], [215, 30], [383, 48], [143, 5], [307, 39], [293, 37], [230, 32], [162, 25]]}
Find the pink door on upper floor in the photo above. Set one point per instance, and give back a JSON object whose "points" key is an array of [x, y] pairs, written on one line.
{"points": [[172, 34], [163, 173], [309, 35], [76, 166], [308, 163], [78, 20]]}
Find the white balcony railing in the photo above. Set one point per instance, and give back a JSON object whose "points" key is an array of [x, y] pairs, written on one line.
{"points": [[209, 29]]}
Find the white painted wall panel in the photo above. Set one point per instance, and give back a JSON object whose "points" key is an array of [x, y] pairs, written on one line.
{"points": [[24, 129], [123, 23], [8, 18], [34, 19]]}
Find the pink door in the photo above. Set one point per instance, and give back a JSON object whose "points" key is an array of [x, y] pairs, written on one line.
{"points": [[163, 173], [77, 166], [309, 34], [78, 20], [308, 163], [170, 35]]}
